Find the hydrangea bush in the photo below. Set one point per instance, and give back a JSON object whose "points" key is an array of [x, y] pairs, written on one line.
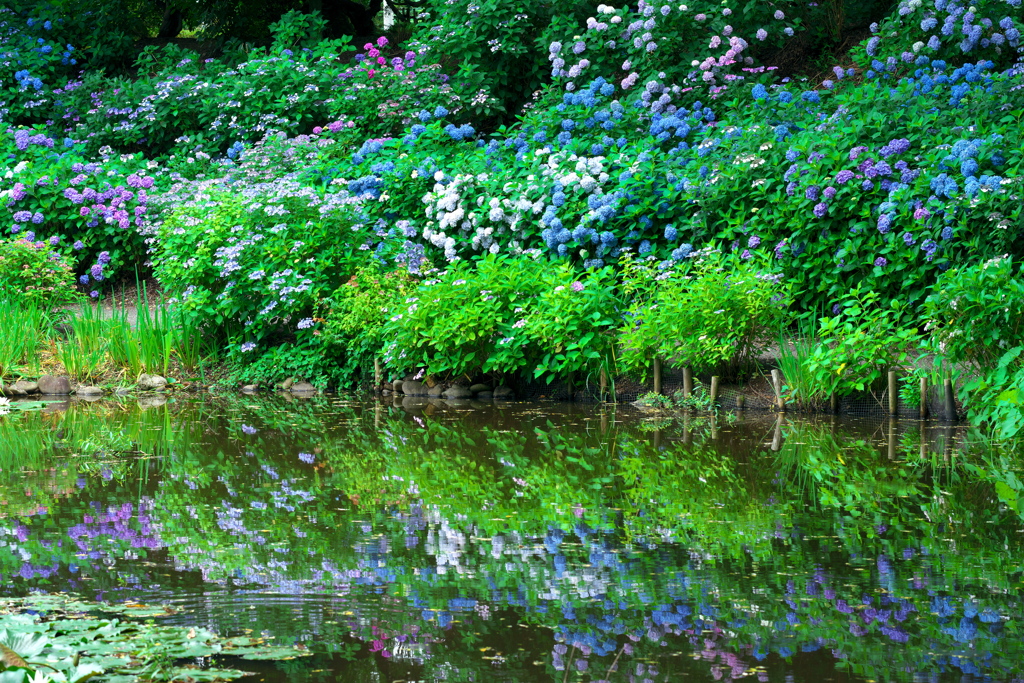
{"points": [[90, 210]]}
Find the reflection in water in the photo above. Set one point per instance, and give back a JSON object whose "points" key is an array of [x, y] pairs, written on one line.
{"points": [[433, 541]]}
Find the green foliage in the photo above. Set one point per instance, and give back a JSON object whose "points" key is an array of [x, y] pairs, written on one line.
{"points": [[35, 275], [296, 30], [976, 316], [181, 104], [571, 326], [502, 315], [252, 280], [502, 48], [794, 354], [860, 344], [23, 330], [976, 313], [714, 311], [359, 309], [465, 322]]}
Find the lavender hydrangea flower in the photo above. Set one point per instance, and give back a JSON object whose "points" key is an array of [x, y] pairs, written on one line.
{"points": [[880, 262]]}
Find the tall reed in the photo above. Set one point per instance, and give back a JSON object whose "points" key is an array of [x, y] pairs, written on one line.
{"points": [[22, 329], [800, 385], [84, 352]]}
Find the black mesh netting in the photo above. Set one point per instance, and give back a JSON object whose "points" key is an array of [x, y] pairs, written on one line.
{"points": [[756, 394]]}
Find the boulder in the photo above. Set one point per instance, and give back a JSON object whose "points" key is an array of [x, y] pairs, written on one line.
{"points": [[23, 388], [503, 393], [123, 391], [287, 384], [303, 388], [151, 383], [435, 391], [396, 386], [411, 387], [59, 386], [477, 388], [457, 391], [250, 389], [485, 395], [89, 391]]}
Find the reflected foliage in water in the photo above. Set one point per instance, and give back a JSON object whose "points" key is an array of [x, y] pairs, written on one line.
{"points": [[533, 543]]}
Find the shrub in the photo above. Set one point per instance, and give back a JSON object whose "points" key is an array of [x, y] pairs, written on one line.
{"points": [[84, 209], [177, 95], [503, 315], [715, 310], [976, 313], [359, 310], [464, 322], [976, 316], [32, 273], [257, 266], [860, 343]]}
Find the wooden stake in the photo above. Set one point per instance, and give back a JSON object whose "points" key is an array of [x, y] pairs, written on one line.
{"points": [[687, 382], [780, 402], [923, 409], [657, 375], [833, 403], [714, 391], [894, 394], [741, 402], [603, 379], [376, 374]]}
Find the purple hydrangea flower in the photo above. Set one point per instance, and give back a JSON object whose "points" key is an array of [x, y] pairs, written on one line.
{"points": [[880, 262], [820, 209], [844, 177]]}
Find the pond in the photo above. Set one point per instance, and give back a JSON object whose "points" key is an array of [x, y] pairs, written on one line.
{"points": [[467, 541]]}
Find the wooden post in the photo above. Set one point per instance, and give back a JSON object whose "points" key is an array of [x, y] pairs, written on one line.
{"points": [[657, 375], [833, 403], [780, 402], [714, 426], [714, 391], [687, 382], [949, 403], [741, 402], [924, 442], [892, 439], [687, 435], [923, 408], [376, 374], [894, 394], [603, 379]]}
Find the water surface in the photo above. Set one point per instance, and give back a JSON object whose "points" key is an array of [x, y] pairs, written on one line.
{"points": [[525, 542]]}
